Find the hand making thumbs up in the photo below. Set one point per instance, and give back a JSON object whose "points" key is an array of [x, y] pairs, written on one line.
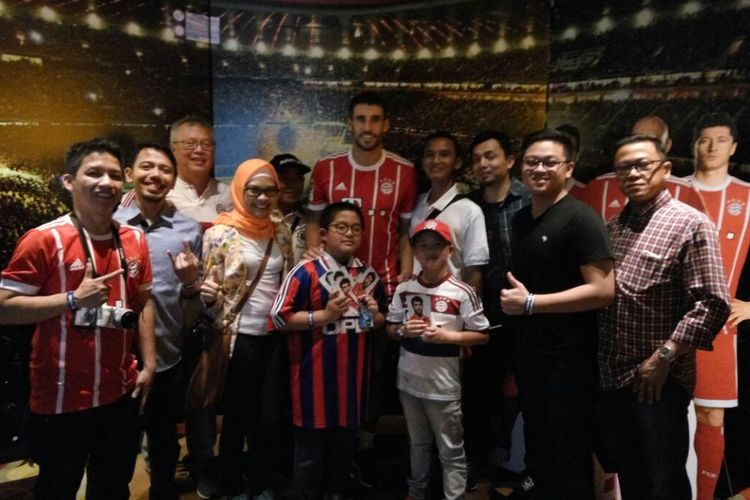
{"points": [[513, 300], [211, 286]]}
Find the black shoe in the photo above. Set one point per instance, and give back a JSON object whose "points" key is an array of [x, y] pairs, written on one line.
{"points": [[473, 474], [367, 470]]}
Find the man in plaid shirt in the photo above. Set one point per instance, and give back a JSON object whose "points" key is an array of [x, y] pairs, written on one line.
{"points": [[671, 298]]}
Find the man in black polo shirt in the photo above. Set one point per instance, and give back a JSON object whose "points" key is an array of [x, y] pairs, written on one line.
{"points": [[562, 272]]}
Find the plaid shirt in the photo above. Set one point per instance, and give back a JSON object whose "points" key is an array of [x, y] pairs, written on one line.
{"points": [[669, 284]]}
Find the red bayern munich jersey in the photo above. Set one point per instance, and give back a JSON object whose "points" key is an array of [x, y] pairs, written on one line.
{"points": [[727, 205], [76, 368], [385, 191], [603, 194]]}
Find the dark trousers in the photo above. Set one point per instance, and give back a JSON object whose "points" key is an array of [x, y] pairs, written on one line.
{"points": [[163, 411], [102, 440], [252, 411], [488, 415], [322, 459], [556, 397], [649, 443]]}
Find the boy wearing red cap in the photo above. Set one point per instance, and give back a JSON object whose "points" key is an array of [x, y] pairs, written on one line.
{"points": [[428, 369]]}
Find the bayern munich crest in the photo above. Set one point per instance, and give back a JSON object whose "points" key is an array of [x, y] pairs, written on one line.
{"points": [[734, 207], [441, 305], [387, 186], [134, 267]]}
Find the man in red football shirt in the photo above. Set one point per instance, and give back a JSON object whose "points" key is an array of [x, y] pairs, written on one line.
{"points": [[727, 199]]}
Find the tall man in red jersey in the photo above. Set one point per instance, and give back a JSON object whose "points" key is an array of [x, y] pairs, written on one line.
{"points": [[727, 202], [384, 186], [70, 277]]}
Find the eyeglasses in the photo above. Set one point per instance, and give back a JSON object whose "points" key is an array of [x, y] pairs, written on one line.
{"points": [[192, 144], [641, 166], [342, 228], [271, 192], [550, 163]]}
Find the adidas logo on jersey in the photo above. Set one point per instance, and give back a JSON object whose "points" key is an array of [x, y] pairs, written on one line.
{"points": [[77, 265], [341, 186], [615, 204]]}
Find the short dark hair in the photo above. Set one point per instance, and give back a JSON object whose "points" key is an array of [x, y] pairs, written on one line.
{"points": [[562, 138], [719, 119], [633, 138], [443, 134], [330, 212], [80, 150], [485, 135], [157, 147], [573, 132], [191, 120], [368, 97], [417, 298]]}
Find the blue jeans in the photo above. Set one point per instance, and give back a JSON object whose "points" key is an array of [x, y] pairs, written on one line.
{"points": [[649, 443]]}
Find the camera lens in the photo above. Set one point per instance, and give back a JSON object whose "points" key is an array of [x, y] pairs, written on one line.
{"points": [[125, 319]]}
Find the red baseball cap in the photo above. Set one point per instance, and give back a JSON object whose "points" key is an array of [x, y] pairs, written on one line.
{"points": [[439, 227]]}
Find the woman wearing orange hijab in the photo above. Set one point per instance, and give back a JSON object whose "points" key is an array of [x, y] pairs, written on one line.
{"points": [[239, 245]]}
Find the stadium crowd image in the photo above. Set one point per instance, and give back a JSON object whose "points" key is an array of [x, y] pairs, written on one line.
{"points": [[374, 249]]}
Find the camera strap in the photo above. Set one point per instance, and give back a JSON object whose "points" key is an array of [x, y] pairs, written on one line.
{"points": [[87, 250]]}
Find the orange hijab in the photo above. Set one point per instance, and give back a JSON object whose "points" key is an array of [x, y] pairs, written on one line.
{"points": [[257, 228]]}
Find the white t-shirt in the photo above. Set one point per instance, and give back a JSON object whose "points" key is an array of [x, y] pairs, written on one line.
{"points": [[432, 371], [466, 221], [254, 314], [204, 208]]}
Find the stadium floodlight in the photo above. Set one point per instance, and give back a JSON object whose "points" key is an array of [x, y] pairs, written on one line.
{"points": [[158, 111], [500, 46], [91, 96], [49, 14], [344, 53], [398, 54], [571, 33], [94, 21], [232, 45], [307, 70], [424, 53], [133, 29], [528, 42], [474, 49], [36, 37], [604, 25], [644, 18], [261, 47], [449, 51], [288, 50], [690, 8], [168, 35], [316, 51], [371, 54]]}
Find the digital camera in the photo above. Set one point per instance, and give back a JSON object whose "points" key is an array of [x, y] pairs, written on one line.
{"points": [[106, 316]]}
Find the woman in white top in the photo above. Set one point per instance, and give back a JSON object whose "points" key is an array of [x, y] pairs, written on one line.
{"points": [[241, 243], [441, 162]]}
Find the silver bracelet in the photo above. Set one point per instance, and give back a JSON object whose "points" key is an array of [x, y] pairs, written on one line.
{"points": [[529, 304]]}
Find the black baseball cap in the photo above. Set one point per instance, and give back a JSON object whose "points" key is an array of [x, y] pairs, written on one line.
{"points": [[288, 160]]}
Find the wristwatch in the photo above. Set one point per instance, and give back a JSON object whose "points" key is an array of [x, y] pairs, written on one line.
{"points": [[400, 333], [667, 353]]}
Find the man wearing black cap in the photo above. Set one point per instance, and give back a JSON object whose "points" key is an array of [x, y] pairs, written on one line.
{"points": [[291, 172]]}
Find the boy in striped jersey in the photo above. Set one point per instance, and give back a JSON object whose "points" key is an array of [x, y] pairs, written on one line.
{"points": [[428, 370], [328, 360]]}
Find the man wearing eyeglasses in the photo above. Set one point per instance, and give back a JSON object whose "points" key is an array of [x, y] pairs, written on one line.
{"points": [[196, 193], [671, 299], [727, 199], [561, 273]]}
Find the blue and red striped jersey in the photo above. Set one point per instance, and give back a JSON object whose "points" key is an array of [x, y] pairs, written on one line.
{"points": [[328, 366]]}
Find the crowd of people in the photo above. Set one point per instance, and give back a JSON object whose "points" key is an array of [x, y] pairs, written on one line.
{"points": [[187, 298]]}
